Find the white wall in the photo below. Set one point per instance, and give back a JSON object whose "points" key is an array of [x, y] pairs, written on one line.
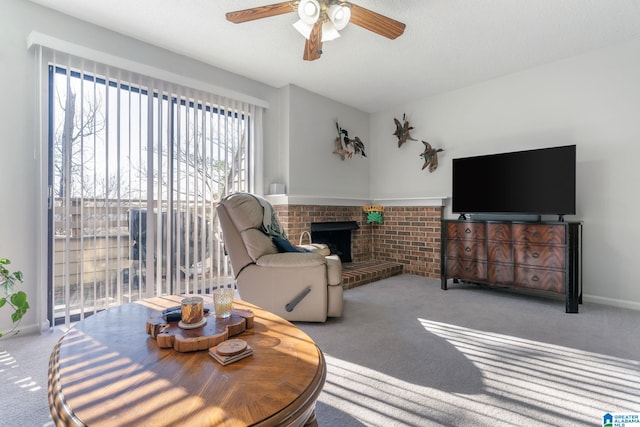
{"points": [[313, 168], [19, 149], [592, 100], [277, 157]]}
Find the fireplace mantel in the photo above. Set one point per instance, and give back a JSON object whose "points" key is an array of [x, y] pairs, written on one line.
{"points": [[284, 199]]}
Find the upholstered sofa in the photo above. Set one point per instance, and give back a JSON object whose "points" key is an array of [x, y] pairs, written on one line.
{"points": [[298, 283]]}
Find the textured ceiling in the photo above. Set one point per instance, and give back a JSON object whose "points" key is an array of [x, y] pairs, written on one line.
{"points": [[447, 44]]}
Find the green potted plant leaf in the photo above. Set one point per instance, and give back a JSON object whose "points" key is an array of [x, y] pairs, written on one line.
{"points": [[17, 300]]}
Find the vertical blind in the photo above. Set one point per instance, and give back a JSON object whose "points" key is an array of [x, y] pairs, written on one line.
{"points": [[136, 168]]}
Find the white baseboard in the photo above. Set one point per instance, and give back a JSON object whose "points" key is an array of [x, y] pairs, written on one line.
{"points": [[25, 329], [611, 302]]}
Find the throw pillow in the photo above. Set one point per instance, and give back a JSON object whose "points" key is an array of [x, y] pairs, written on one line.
{"points": [[285, 245]]}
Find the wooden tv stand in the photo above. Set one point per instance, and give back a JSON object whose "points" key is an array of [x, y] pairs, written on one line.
{"points": [[540, 256]]}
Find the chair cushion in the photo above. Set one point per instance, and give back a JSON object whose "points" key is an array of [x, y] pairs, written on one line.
{"points": [[257, 243], [293, 260]]}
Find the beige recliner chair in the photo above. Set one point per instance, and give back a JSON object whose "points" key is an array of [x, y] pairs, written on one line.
{"points": [[297, 286]]}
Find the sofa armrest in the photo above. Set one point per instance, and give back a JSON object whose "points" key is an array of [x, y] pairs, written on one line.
{"points": [[291, 259]]}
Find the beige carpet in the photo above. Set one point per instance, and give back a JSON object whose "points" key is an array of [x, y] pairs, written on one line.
{"points": [[409, 354]]}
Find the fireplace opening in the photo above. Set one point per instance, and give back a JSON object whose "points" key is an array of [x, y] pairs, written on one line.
{"points": [[336, 235]]}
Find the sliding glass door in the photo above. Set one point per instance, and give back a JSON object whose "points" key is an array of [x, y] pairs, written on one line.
{"points": [[136, 168]]}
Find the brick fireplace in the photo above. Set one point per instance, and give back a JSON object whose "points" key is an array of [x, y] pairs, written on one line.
{"points": [[336, 235], [410, 235]]}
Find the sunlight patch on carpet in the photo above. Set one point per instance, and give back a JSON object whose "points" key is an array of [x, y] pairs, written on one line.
{"points": [[7, 363], [523, 382], [545, 382]]}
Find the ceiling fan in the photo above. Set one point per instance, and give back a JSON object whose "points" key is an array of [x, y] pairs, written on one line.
{"points": [[320, 20]]}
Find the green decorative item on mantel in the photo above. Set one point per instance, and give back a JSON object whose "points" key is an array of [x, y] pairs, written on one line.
{"points": [[16, 300], [374, 214]]}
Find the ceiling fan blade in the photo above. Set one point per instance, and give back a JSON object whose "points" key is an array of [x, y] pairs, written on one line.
{"points": [[260, 12], [375, 22], [313, 45]]}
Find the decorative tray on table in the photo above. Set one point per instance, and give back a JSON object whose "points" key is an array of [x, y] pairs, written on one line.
{"points": [[211, 333]]}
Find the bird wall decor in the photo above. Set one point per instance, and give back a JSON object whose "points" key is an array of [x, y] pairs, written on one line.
{"points": [[430, 156], [403, 130], [339, 149], [351, 145]]}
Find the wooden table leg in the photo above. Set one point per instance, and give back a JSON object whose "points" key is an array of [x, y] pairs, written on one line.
{"points": [[312, 421]]}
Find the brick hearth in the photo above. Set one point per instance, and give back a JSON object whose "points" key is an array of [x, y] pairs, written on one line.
{"points": [[360, 273]]}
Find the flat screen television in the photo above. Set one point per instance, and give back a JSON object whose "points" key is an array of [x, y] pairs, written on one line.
{"points": [[532, 182]]}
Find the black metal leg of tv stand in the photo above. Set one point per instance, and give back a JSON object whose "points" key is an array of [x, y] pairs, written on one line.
{"points": [[572, 305], [443, 283], [573, 297]]}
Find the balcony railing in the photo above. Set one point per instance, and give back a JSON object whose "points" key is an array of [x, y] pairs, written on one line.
{"points": [[101, 252]]}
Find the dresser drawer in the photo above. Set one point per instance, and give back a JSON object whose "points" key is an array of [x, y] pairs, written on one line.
{"points": [[499, 231], [553, 234], [501, 274], [466, 269], [465, 230], [540, 279], [540, 255], [500, 252], [475, 249]]}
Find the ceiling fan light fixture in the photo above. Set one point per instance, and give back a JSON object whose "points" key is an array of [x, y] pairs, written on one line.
{"points": [[339, 15], [322, 20], [303, 28], [309, 11], [329, 31]]}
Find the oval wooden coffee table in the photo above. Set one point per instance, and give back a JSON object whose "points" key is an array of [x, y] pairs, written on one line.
{"points": [[107, 371]]}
